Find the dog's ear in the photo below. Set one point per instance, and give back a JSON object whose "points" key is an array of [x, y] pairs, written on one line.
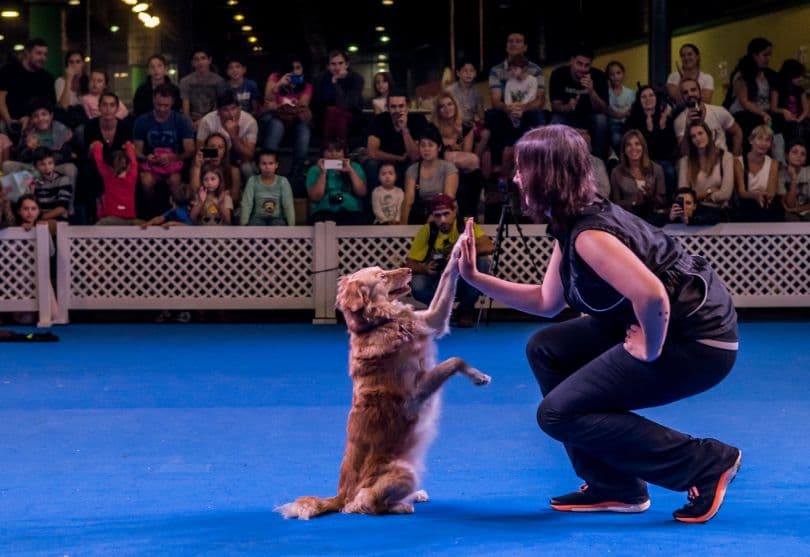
{"points": [[352, 295]]}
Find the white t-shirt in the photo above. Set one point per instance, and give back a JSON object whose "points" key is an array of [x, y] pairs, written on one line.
{"points": [[705, 80], [522, 92], [759, 182], [802, 184], [717, 118], [210, 123]]}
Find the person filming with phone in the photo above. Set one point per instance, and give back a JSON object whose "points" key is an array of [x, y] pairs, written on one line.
{"points": [[726, 132], [336, 187]]}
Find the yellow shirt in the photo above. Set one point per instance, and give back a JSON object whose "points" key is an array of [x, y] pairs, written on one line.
{"points": [[444, 242]]}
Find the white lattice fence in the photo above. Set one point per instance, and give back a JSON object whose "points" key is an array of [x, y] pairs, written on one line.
{"points": [[25, 272]]}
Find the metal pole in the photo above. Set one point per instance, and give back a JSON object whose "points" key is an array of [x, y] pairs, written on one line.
{"points": [[480, 35], [453, 36], [88, 45], [659, 45]]}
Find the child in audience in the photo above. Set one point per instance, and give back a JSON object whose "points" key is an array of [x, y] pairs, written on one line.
{"points": [[97, 85], [117, 204], [27, 211], [179, 214], [43, 131], [52, 189], [386, 199], [794, 184], [471, 104], [382, 86], [620, 98], [246, 90], [268, 198], [214, 205], [521, 87]]}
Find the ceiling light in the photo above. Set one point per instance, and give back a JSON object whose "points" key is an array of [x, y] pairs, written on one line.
{"points": [[388, 2], [247, 28], [257, 48], [385, 39], [379, 29], [114, 29], [232, 2], [172, 71], [2, 37], [352, 48], [87, 59], [382, 57], [74, 2], [238, 17], [9, 13], [130, 2], [153, 22], [144, 17], [142, 7], [252, 39], [18, 47]]}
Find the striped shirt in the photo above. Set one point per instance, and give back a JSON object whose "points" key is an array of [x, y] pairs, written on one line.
{"points": [[54, 192]]}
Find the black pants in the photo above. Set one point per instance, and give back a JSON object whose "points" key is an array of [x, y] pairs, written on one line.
{"points": [[590, 385]]}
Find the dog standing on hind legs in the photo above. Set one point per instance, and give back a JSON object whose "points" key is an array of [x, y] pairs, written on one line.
{"points": [[395, 392]]}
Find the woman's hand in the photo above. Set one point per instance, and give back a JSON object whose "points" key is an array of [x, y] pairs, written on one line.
{"points": [[635, 343], [467, 261]]}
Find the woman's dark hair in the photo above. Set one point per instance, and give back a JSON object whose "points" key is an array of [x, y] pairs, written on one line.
{"points": [[637, 113], [111, 95], [386, 76], [747, 69], [334, 144], [555, 174], [84, 79], [690, 45]]}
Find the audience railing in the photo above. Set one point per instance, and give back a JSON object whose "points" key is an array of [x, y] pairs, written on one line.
{"points": [[25, 281]]}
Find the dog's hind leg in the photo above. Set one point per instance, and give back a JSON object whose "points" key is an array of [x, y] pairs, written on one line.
{"points": [[389, 494], [435, 378]]}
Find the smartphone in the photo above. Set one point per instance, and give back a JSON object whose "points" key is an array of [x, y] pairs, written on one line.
{"points": [[333, 164], [679, 201], [296, 79], [209, 153]]}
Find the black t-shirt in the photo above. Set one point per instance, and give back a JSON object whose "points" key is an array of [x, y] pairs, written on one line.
{"points": [[22, 86], [382, 127], [123, 133], [562, 87]]}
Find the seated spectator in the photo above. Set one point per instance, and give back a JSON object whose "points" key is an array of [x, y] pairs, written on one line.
{"points": [[426, 179], [246, 91], [43, 131], [393, 136], [157, 68], [336, 187], [457, 140], [52, 189], [22, 81], [498, 118], [471, 104], [620, 99], [637, 183], [28, 211], [213, 205], [239, 128], [599, 170], [430, 251], [180, 212], [70, 89], [287, 97], [651, 116], [749, 94], [709, 171], [579, 97], [790, 101], [689, 69], [757, 188], [383, 85], [386, 199], [199, 89], [5, 148], [337, 99], [215, 151], [268, 197], [98, 86], [119, 177], [794, 184], [718, 119], [163, 141], [6, 212]]}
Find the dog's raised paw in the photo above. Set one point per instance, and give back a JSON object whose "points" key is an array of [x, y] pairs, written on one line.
{"points": [[479, 378]]}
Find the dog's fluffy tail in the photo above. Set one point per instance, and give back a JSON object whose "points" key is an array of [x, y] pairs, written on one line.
{"points": [[307, 507]]}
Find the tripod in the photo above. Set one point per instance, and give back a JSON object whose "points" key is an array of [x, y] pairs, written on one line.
{"points": [[507, 213]]}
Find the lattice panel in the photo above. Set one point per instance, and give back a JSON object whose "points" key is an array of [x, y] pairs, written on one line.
{"points": [[757, 265], [18, 269], [166, 268], [515, 261]]}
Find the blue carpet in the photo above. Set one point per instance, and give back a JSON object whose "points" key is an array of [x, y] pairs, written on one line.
{"points": [[181, 439]]}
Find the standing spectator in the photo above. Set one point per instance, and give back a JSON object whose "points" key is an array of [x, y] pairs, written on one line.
{"points": [[199, 89], [383, 85], [637, 183], [239, 128], [651, 115], [689, 69], [620, 99], [117, 203], [718, 119], [246, 90], [163, 141], [498, 117], [427, 178], [471, 104], [268, 198], [757, 189], [22, 81], [69, 90], [794, 184], [749, 95], [709, 171], [392, 134], [90, 101], [386, 199], [338, 98], [287, 98], [336, 187], [157, 68], [579, 97]]}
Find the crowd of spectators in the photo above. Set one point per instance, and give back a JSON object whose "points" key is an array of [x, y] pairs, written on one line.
{"points": [[206, 151]]}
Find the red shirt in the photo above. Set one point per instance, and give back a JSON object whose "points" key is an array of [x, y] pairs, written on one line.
{"points": [[118, 199]]}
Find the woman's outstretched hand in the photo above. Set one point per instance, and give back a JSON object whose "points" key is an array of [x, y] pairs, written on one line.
{"points": [[635, 343], [466, 265]]}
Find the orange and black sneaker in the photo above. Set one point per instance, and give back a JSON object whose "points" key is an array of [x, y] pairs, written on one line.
{"points": [[589, 500], [705, 499]]}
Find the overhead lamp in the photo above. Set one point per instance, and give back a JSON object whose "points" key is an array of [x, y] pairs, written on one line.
{"points": [[74, 2], [142, 7], [18, 47], [153, 22], [144, 17], [87, 59], [385, 39], [114, 29], [238, 17], [9, 14], [232, 2], [252, 39], [130, 2], [172, 71], [382, 57], [257, 48], [379, 29], [247, 28], [2, 37], [352, 48], [388, 2]]}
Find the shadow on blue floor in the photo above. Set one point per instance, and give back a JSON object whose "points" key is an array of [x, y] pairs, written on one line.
{"points": [[180, 440]]}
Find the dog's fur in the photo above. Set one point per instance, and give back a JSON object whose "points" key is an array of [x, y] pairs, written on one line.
{"points": [[395, 400]]}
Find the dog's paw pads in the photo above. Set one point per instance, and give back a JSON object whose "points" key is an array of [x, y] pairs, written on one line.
{"points": [[421, 496]]}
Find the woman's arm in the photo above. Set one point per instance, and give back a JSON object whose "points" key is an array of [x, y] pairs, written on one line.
{"points": [[621, 269], [727, 184], [773, 179], [741, 92], [318, 189], [358, 183], [467, 145], [451, 184], [408, 199], [544, 299], [246, 207]]}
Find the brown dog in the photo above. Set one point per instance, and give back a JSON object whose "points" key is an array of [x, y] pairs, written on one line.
{"points": [[395, 399]]}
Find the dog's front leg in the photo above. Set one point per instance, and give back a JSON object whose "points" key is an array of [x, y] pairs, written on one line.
{"points": [[435, 378], [437, 315]]}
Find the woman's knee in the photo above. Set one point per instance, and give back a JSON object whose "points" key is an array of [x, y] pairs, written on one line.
{"points": [[553, 420], [540, 355]]}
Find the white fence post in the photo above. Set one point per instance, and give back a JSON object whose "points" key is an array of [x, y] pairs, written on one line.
{"points": [[325, 271], [62, 273], [44, 287]]}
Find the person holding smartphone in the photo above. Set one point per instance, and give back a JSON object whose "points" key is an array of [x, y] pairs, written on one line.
{"points": [[336, 187]]}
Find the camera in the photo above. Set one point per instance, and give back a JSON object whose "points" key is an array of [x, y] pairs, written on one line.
{"points": [[440, 261], [336, 198], [296, 79], [333, 164]]}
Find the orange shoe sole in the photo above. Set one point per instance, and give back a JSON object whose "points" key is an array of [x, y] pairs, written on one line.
{"points": [[720, 493]]}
